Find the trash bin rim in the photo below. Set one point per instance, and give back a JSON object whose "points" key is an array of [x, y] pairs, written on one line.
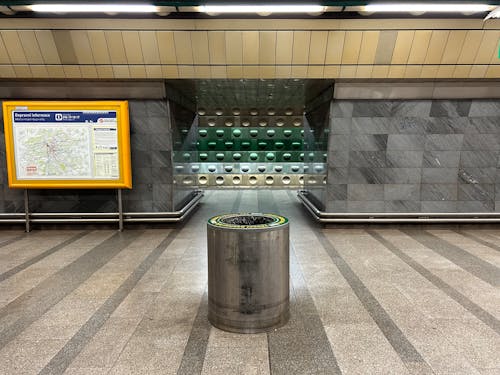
{"points": [[278, 221]]}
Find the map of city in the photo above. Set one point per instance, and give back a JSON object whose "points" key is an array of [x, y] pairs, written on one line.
{"points": [[52, 151]]}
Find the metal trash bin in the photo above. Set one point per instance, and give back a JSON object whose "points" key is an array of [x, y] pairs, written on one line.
{"points": [[248, 272]]}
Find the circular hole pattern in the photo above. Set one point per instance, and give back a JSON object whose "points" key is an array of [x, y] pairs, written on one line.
{"points": [[245, 123], [236, 156], [203, 156], [228, 168], [253, 156], [261, 168], [202, 180], [236, 132], [228, 144], [186, 156], [269, 180], [280, 122], [287, 133], [262, 122], [279, 145], [295, 168], [318, 168], [203, 132], [212, 168], [311, 180], [236, 180], [245, 168], [271, 111], [201, 111], [270, 156], [187, 181], [219, 156], [289, 111], [262, 144], [179, 168], [219, 112], [253, 133], [254, 112], [297, 122], [212, 144], [301, 180], [228, 123], [211, 122], [219, 180], [236, 111], [286, 180], [271, 133], [252, 180], [219, 133], [278, 168], [287, 156], [245, 144], [195, 168]]}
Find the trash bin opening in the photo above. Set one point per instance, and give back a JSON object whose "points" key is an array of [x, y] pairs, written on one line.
{"points": [[247, 220]]}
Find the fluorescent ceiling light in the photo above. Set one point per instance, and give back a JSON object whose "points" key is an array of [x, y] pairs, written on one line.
{"points": [[416, 7], [93, 8], [261, 8]]}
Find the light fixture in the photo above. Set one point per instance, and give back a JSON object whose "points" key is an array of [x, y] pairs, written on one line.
{"points": [[260, 9], [422, 8], [93, 8]]}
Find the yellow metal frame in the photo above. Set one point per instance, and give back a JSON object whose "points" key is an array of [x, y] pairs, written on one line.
{"points": [[125, 170]]}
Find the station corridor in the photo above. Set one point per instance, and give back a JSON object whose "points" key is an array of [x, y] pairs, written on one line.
{"points": [[376, 300]]}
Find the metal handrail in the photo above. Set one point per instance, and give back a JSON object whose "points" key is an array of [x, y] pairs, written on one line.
{"points": [[105, 217], [396, 217]]}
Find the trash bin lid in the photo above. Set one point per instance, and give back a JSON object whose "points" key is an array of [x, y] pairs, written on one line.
{"points": [[248, 220]]}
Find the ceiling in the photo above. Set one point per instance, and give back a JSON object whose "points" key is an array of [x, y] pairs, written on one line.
{"points": [[188, 9]]}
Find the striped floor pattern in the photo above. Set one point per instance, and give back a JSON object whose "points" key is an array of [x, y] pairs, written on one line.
{"points": [[374, 300]]}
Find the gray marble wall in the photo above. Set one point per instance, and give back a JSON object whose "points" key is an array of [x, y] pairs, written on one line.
{"points": [[151, 152], [414, 156]]}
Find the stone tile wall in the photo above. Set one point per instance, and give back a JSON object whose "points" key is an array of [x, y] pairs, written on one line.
{"points": [[151, 153], [414, 156]]}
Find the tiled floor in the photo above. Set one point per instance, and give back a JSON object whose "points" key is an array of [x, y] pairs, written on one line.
{"points": [[364, 301]]}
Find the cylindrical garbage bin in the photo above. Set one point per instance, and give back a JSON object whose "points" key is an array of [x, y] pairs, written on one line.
{"points": [[248, 272]]}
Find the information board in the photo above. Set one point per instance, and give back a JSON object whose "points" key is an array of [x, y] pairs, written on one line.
{"points": [[67, 144]]}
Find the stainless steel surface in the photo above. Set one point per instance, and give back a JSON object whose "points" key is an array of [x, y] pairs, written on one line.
{"points": [[120, 210], [417, 90], [26, 210], [397, 217], [55, 89], [103, 217], [248, 278]]}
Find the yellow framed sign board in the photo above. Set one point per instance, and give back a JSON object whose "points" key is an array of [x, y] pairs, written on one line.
{"points": [[67, 144]]}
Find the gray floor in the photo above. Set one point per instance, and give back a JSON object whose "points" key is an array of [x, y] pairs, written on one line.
{"points": [[374, 301]]}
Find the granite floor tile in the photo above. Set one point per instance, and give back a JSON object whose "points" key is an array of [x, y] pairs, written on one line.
{"points": [[362, 349], [96, 319], [479, 250]]}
